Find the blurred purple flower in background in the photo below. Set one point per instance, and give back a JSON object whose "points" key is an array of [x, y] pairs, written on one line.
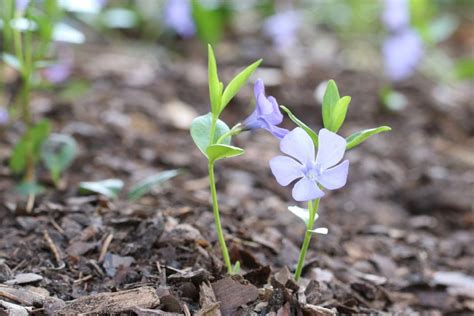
{"points": [[3, 116], [403, 48], [310, 170], [282, 28], [267, 114], [57, 73], [396, 15], [178, 17], [402, 52], [21, 5]]}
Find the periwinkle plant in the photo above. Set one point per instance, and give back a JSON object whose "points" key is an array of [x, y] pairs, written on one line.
{"points": [[320, 170], [213, 137], [313, 171]]}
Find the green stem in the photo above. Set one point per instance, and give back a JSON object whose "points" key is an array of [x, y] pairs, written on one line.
{"points": [[212, 133], [215, 209], [232, 132], [313, 210]]}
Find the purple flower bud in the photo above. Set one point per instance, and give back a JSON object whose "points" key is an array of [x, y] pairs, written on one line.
{"points": [[3, 115], [282, 28], [267, 114], [402, 52], [178, 17], [21, 5], [312, 172], [57, 73], [396, 15]]}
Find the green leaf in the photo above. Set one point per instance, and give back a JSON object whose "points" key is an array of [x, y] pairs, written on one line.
{"points": [[298, 122], [110, 187], [19, 157], [12, 61], [219, 151], [359, 137], [201, 129], [236, 267], [146, 185], [29, 146], [209, 21], [331, 96], [57, 153], [215, 89], [465, 69], [339, 113], [27, 188], [236, 84]]}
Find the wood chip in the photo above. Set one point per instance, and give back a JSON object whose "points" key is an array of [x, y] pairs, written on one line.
{"points": [[118, 302], [208, 302], [231, 293]]}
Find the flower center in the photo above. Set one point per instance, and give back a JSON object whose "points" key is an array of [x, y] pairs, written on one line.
{"points": [[312, 171]]}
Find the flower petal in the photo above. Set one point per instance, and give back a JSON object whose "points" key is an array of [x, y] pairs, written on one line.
{"points": [[299, 145], [335, 177], [321, 230], [258, 88], [275, 117], [264, 107], [285, 169], [278, 132], [331, 149], [306, 190]]}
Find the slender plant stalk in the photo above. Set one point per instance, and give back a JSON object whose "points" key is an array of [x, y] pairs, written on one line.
{"points": [[313, 210], [215, 209], [215, 204]]}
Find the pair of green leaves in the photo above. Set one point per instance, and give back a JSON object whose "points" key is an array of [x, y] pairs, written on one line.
{"points": [[219, 96], [203, 125], [334, 114], [334, 107], [200, 132], [111, 188]]}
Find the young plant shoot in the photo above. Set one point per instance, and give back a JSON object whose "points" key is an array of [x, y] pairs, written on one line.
{"points": [[324, 169], [213, 137]]}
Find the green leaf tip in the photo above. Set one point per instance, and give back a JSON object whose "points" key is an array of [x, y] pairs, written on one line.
{"points": [[359, 137]]}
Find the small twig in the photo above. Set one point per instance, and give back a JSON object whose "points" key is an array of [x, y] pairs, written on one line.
{"points": [[52, 247], [86, 278], [105, 247], [186, 310], [56, 226], [13, 298], [30, 203], [96, 267]]}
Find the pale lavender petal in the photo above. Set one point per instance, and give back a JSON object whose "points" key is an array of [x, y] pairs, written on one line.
{"points": [[306, 190], [258, 88], [57, 73], [3, 115], [299, 145], [264, 107], [278, 132], [285, 169], [21, 5], [275, 117], [283, 28], [331, 149], [178, 16], [252, 122], [335, 177], [396, 14], [402, 52]]}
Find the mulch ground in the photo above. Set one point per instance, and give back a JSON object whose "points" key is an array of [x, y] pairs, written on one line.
{"points": [[400, 232]]}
